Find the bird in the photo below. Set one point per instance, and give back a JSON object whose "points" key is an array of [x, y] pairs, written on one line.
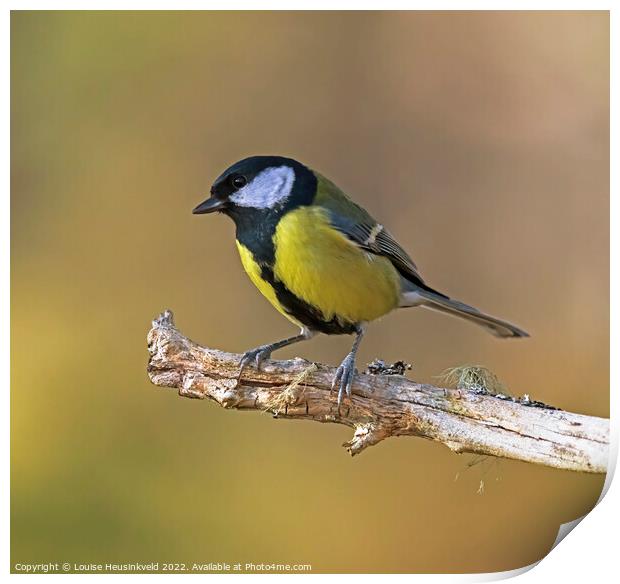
{"points": [[321, 259]]}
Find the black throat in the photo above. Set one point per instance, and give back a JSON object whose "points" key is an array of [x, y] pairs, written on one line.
{"points": [[256, 227]]}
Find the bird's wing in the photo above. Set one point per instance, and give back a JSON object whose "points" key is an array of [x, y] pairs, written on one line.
{"points": [[359, 226]]}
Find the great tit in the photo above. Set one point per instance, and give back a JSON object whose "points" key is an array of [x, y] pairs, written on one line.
{"points": [[320, 258]]}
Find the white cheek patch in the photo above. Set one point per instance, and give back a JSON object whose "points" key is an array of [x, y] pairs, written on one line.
{"points": [[270, 187]]}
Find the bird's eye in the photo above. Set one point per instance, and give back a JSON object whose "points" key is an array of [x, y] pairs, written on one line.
{"points": [[239, 181]]}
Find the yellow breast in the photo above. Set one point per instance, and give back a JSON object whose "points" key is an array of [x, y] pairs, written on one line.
{"points": [[325, 269], [253, 270]]}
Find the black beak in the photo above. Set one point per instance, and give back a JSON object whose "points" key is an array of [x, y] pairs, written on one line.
{"points": [[209, 206]]}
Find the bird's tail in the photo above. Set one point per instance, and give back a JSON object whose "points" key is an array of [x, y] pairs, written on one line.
{"points": [[437, 301]]}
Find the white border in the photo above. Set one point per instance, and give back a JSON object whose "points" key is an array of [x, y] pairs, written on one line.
{"points": [[589, 552]]}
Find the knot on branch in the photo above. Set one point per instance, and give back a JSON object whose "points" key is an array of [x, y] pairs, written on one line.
{"points": [[166, 347], [198, 386], [365, 435]]}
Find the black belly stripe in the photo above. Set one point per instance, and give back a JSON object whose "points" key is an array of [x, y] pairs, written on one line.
{"points": [[305, 313]]}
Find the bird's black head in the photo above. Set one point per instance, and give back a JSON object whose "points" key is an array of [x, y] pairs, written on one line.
{"points": [[262, 183]]}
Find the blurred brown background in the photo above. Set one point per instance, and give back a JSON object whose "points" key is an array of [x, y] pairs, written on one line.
{"points": [[481, 139]]}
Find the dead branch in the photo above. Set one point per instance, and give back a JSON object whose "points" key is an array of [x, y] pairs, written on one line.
{"points": [[380, 406]]}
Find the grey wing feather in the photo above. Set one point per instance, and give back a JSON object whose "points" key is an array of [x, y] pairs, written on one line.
{"points": [[373, 237]]}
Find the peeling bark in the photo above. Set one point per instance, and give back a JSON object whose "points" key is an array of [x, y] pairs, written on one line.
{"points": [[380, 405]]}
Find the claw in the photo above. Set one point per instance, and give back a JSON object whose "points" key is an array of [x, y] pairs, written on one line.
{"points": [[257, 356], [337, 377], [344, 377], [263, 352]]}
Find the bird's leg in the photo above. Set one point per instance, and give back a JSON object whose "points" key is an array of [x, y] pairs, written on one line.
{"points": [[258, 355], [346, 371]]}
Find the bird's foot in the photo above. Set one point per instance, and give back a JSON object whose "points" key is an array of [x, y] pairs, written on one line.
{"points": [[344, 377], [255, 356]]}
